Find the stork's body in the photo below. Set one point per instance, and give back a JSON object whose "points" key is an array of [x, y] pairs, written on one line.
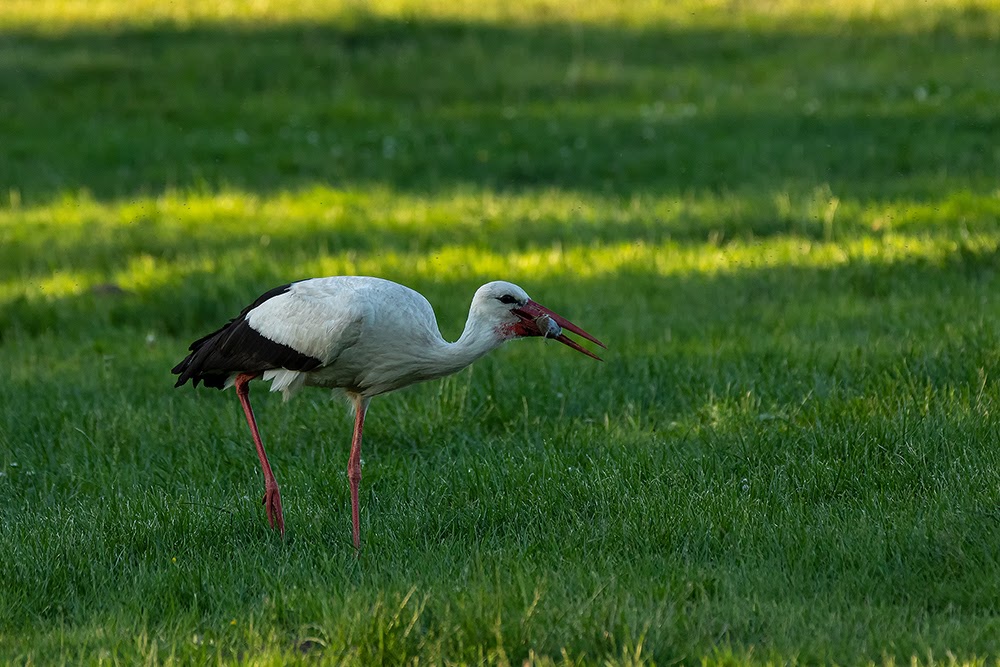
{"points": [[363, 335]]}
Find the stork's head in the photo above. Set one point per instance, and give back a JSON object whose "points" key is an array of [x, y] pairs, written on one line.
{"points": [[514, 315]]}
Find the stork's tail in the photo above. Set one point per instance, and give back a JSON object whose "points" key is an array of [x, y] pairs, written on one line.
{"points": [[192, 367]]}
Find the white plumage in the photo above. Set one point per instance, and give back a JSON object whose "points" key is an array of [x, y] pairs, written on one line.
{"points": [[364, 335]]}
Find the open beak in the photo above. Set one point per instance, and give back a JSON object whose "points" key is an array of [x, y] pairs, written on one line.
{"points": [[537, 320]]}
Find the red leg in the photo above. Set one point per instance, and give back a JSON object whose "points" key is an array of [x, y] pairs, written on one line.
{"points": [[354, 467], [272, 498]]}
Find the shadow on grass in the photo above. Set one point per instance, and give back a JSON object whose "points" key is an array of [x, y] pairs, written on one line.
{"points": [[781, 336], [425, 106]]}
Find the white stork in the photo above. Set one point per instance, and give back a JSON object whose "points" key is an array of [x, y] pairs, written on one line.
{"points": [[366, 336]]}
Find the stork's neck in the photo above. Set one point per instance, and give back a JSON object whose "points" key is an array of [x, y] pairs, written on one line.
{"points": [[477, 339]]}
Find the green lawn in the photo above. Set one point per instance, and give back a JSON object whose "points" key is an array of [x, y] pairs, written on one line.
{"points": [[782, 217]]}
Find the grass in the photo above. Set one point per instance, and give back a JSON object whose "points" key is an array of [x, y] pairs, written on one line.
{"points": [[784, 219]]}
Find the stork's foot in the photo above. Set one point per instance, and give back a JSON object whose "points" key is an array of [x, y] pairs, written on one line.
{"points": [[272, 505]]}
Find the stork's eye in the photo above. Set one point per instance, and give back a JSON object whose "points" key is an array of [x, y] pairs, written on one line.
{"points": [[507, 299]]}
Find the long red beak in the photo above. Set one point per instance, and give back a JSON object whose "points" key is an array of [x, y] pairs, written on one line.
{"points": [[537, 320]]}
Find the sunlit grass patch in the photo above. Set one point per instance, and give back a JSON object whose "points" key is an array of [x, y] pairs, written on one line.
{"points": [[632, 12], [147, 248]]}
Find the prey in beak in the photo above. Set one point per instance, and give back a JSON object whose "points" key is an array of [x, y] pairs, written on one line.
{"points": [[537, 320]]}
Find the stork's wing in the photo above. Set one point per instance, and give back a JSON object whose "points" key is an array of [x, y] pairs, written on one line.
{"points": [[287, 327], [319, 318]]}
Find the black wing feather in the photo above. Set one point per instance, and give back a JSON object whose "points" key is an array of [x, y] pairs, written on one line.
{"points": [[239, 348]]}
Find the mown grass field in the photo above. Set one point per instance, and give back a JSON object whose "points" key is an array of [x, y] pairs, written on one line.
{"points": [[783, 218]]}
